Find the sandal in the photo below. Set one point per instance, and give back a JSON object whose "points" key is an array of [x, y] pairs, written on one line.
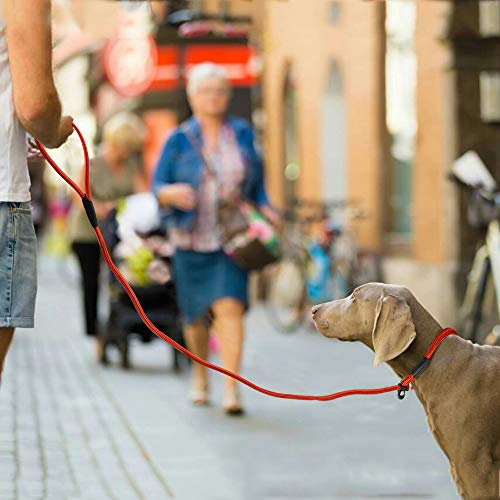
{"points": [[199, 394], [232, 403]]}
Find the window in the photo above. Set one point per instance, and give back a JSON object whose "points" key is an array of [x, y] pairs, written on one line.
{"points": [[489, 17], [490, 96], [335, 11], [401, 75], [334, 139], [292, 168]]}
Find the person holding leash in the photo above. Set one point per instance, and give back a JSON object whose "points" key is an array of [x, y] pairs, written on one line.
{"points": [[29, 104]]}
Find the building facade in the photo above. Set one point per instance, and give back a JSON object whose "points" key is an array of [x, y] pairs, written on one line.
{"points": [[371, 102], [368, 115]]}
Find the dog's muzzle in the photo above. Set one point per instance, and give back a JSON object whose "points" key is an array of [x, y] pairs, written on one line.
{"points": [[321, 324]]}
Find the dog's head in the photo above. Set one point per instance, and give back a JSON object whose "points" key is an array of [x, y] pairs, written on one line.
{"points": [[376, 314]]}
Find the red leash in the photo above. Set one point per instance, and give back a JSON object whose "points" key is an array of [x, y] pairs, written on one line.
{"points": [[402, 387]]}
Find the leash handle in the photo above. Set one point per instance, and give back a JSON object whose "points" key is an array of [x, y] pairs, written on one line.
{"points": [[87, 193]]}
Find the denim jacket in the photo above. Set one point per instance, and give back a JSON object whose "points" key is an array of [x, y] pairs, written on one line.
{"points": [[180, 162]]}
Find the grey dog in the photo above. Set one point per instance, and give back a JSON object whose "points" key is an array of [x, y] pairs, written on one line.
{"points": [[460, 389]]}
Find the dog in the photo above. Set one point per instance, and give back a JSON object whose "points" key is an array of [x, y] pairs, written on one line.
{"points": [[459, 390]]}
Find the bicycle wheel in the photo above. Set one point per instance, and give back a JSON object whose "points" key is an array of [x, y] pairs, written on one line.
{"points": [[479, 317], [286, 301], [471, 313]]}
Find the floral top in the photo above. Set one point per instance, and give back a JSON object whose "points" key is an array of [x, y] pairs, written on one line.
{"points": [[229, 167]]}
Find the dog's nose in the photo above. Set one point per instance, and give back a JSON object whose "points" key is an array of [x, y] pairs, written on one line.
{"points": [[315, 309]]}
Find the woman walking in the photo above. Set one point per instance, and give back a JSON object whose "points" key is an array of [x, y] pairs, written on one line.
{"points": [[114, 175], [189, 191]]}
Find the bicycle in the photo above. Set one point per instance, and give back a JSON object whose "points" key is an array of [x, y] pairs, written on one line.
{"points": [[321, 262], [480, 310]]}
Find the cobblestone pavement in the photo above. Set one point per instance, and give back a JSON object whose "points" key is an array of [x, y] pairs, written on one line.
{"points": [[72, 430]]}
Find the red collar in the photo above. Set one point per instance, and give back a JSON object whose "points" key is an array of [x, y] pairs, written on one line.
{"points": [[405, 384]]}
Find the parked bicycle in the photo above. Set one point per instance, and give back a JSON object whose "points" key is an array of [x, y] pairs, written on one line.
{"points": [[480, 310], [321, 261]]}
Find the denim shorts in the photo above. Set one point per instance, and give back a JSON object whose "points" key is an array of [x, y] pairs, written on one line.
{"points": [[18, 282]]}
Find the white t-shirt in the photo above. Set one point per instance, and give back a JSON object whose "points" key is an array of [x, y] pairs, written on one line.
{"points": [[14, 177]]}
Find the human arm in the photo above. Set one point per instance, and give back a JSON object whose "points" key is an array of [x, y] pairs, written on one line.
{"points": [[29, 41], [171, 194]]}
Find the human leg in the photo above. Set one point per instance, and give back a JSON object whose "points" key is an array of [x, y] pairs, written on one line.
{"points": [[6, 335], [197, 336], [229, 330]]}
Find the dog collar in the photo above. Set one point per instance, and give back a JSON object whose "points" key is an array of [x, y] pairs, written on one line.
{"points": [[405, 384]]}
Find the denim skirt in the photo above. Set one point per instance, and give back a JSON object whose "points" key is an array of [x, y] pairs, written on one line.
{"points": [[203, 278], [18, 283]]}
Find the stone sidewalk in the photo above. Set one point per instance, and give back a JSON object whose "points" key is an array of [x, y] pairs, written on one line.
{"points": [[72, 430]]}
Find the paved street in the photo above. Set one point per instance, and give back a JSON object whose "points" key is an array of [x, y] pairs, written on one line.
{"points": [[72, 430]]}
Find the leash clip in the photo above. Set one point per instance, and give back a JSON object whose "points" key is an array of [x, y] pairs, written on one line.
{"points": [[405, 385], [402, 391]]}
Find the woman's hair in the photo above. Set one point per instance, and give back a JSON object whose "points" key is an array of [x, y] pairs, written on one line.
{"points": [[125, 129], [202, 72]]}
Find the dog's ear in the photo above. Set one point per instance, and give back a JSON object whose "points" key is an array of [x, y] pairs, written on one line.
{"points": [[393, 331]]}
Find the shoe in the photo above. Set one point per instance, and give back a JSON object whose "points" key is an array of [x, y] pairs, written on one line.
{"points": [[232, 403], [199, 394]]}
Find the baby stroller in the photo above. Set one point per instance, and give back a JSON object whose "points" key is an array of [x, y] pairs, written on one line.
{"points": [[141, 250]]}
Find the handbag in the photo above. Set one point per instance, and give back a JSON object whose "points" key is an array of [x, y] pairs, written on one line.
{"points": [[247, 237]]}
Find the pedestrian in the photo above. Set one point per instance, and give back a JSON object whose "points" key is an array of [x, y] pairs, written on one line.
{"points": [[115, 173], [29, 103], [207, 280]]}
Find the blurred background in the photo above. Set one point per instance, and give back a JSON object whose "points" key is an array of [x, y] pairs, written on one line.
{"points": [[362, 109], [366, 102]]}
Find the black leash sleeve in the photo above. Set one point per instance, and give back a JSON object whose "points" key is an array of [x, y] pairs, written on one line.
{"points": [[90, 211]]}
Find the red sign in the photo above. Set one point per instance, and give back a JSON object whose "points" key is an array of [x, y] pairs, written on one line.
{"points": [[130, 58], [130, 64], [167, 74], [136, 65]]}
